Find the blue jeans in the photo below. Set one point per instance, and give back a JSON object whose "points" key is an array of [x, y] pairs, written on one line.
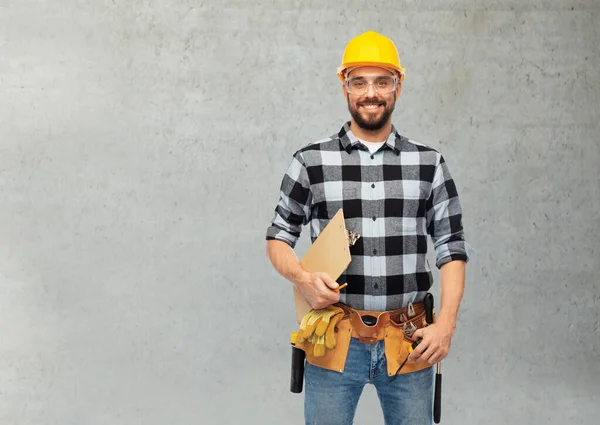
{"points": [[331, 397]]}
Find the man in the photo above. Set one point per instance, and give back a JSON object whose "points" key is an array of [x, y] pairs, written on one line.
{"points": [[394, 192]]}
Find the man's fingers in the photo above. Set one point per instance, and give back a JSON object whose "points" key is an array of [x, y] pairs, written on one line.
{"points": [[425, 356], [433, 355], [334, 296], [418, 352], [326, 298], [438, 356], [327, 280], [433, 348], [332, 284]]}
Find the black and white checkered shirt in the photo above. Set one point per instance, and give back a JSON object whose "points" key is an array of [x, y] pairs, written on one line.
{"points": [[393, 198]]}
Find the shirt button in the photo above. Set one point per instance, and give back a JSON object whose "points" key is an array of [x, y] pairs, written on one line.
{"points": [[374, 251], [372, 156], [374, 218], [373, 185], [376, 286]]}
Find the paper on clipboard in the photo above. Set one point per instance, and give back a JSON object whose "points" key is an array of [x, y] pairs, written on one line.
{"points": [[329, 253]]}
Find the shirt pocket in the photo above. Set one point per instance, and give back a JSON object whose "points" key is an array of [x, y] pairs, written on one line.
{"points": [[413, 189], [404, 226], [334, 193], [346, 194], [328, 202], [408, 189]]}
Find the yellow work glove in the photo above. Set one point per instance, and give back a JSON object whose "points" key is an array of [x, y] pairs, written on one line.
{"points": [[318, 328]]}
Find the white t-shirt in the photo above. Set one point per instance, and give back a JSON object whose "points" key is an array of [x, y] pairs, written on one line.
{"points": [[373, 146]]}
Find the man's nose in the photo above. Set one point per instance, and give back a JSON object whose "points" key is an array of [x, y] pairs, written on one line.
{"points": [[371, 90]]}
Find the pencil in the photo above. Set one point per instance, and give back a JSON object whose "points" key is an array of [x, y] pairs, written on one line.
{"points": [[341, 287]]}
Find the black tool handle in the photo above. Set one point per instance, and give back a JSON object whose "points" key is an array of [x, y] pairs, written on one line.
{"points": [[428, 308], [437, 400], [297, 380]]}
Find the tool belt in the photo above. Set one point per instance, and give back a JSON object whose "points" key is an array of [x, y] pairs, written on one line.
{"points": [[393, 327]]}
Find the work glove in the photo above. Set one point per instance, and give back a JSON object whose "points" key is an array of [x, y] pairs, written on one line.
{"points": [[318, 328]]}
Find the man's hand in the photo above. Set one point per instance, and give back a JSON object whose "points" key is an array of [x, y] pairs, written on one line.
{"points": [[435, 345], [318, 289]]}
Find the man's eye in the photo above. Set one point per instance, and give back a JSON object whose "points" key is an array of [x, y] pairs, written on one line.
{"points": [[357, 83]]}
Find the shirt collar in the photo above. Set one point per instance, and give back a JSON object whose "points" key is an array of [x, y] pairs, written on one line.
{"points": [[349, 141]]}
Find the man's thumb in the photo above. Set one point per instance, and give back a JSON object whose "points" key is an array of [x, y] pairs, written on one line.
{"points": [[331, 284], [418, 334]]}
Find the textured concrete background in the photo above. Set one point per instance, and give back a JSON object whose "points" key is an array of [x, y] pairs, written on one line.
{"points": [[142, 144]]}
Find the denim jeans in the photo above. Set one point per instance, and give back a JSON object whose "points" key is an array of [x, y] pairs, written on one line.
{"points": [[331, 397]]}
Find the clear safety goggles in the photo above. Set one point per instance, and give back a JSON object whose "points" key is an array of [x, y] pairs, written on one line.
{"points": [[382, 84]]}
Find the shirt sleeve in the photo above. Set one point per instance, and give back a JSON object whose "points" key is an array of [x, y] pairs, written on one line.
{"points": [[444, 218], [293, 209]]}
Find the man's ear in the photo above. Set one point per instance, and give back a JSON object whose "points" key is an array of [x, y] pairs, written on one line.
{"points": [[344, 91]]}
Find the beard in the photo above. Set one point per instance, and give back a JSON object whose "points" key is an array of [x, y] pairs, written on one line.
{"points": [[369, 120]]}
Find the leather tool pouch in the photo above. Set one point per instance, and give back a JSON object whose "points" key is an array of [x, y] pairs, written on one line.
{"points": [[334, 359], [387, 327], [397, 343]]}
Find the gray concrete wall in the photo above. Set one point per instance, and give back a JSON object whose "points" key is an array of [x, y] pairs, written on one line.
{"points": [[142, 145]]}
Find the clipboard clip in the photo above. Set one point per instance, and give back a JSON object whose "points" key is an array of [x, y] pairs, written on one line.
{"points": [[352, 237]]}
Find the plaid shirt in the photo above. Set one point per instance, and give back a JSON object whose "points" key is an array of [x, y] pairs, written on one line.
{"points": [[393, 198]]}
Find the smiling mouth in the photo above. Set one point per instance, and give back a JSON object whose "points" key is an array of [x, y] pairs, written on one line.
{"points": [[371, 106]]}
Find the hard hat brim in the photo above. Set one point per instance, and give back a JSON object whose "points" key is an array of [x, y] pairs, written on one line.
{"points": [[341, 71]]}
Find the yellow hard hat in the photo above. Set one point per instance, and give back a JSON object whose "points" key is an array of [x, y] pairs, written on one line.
{"points": [[370, 49]]}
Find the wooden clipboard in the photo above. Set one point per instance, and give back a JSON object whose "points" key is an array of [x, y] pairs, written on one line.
{"points": [[330, 253]]}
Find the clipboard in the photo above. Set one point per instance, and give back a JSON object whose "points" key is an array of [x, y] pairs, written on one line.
{"points": [[330, 253]]}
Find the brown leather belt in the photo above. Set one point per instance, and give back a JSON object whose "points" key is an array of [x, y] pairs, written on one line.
{"points": [[370, 326]]}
